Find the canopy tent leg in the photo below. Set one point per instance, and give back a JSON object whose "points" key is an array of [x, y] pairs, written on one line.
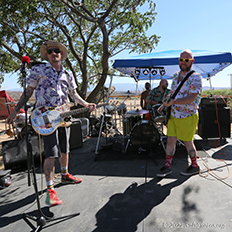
{"points": [[136, 92], [211, 88]]}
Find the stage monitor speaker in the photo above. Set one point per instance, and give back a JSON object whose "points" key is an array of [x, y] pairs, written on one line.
{"points": [[210, 102], [75, 140], [208, 126], [14, 152]]}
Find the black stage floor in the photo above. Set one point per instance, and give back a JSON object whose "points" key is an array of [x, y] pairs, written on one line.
{"points": [[121, 193]]}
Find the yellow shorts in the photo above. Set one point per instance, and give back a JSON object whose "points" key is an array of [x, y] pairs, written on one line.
{"points": [[182, 128]]}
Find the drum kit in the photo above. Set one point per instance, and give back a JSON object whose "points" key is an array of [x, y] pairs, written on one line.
{"points": [[144, 135], [19, 124], [134, 130]]}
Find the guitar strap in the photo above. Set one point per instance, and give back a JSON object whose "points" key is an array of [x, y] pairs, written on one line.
{"points": [[181, 84], [69, 85], [168, 110]]}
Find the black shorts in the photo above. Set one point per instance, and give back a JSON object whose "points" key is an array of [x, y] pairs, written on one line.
{"points": [[57, 143]]}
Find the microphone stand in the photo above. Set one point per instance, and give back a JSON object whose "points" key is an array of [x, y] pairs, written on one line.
{"points": [[41, 220]]}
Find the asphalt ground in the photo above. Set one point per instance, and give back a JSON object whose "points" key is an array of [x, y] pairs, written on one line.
{"points": [[121, 193]]}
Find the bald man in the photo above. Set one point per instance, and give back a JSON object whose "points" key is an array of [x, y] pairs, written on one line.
{"points": [[183, 121], [157, 94]]}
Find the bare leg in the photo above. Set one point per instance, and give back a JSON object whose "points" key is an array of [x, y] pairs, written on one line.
{"points": [[191, 149], [171, 146], [49, 168], [64, 160]]}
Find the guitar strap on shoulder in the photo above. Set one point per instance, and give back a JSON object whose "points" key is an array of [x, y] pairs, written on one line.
{"points": [[69, 85], [181, 84]]}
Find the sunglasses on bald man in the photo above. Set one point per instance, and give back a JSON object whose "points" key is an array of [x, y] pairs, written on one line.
{"points": [[50, 50], [183, 59]]}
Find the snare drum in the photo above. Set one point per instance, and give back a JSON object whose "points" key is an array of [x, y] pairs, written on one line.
{"points": [[129, 121], [144, 136], [157, 117]]}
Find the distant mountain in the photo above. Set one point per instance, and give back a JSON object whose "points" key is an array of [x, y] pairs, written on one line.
{"points": [[121, 89], [16, 94], [132, 87]]}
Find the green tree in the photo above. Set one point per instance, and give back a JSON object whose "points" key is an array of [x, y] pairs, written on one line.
{"points": [[93, 31]]}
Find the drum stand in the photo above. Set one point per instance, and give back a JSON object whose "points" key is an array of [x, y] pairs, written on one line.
{"points": [[163, 137], [124, 138]]}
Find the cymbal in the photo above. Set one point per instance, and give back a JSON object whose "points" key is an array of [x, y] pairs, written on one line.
{"points": [[160, 118], [127, 93], [138, 112]]}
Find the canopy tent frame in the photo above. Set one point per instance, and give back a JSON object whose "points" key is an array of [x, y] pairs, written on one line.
{"points": [[207, 63]]}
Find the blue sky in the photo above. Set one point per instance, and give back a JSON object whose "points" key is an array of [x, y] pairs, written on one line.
{"points": [[197, 25]]}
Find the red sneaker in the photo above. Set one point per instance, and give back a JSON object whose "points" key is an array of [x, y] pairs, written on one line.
{"points": [[69, 179], [52, 199]]}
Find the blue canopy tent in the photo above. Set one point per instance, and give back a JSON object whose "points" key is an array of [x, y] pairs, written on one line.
{"points": [[164, 64]]}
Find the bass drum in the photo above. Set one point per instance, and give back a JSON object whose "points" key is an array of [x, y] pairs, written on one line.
{"points": [[144, 136], [128, 123]]}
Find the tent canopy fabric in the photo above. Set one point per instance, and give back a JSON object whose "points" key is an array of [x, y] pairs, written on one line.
{"points": [[165, 64], [6, 109]]}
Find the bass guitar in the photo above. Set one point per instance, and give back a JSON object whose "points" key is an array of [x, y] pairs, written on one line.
{"points": [[45, 120]]}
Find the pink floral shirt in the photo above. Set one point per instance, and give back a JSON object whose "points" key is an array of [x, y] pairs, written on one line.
{"points": [[192, 85]]}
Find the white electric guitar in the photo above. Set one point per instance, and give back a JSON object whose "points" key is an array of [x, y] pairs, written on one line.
{"points": [[45, 120]]}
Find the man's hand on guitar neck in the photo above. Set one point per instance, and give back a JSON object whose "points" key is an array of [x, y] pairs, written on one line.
{"points": [[169, 102], [161, 108], [91, 106], [166, 104]]}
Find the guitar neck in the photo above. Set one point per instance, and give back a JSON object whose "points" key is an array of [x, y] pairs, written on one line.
{"points": [[72, 112], [78, 111]]}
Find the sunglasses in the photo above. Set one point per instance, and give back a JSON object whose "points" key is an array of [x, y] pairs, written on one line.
{"points": [[186, 60], [56, 50]]}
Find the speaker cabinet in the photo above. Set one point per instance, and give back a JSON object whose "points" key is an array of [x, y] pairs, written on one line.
{"points": [[14, 152], [75, 140], [84, 127], [208, 126]]}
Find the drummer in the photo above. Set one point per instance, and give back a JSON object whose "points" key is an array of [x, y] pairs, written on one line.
{"points": [[156, 95], [144, 94]]}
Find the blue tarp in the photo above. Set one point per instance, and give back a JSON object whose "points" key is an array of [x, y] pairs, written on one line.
{"points": [[207, 63]]}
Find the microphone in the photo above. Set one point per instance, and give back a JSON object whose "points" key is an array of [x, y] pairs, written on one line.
{"points": [[25, 60]]}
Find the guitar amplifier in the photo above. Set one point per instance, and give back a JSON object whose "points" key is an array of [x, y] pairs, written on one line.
{"points": [[209, 102], [75, 140], [14, 152], [208, 126]]}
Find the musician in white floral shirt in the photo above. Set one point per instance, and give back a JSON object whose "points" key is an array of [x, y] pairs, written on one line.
{"points": [[192, 85], [183, 121]]}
